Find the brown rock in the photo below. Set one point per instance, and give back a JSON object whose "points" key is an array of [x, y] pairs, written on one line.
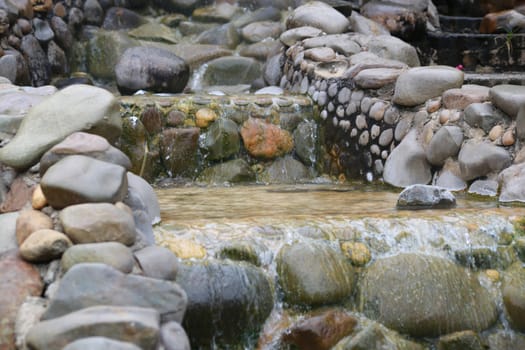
{"points": [[178, 148], [18, 196], [42, 5], [24, 7], [152, 119], [357, 252], [502, 22], [508, 138], [38, 201], [204, 117], [19, 280], [60, 10], [30, 221], [496, 132], [465, 96], [265, 140], [44, 245]]}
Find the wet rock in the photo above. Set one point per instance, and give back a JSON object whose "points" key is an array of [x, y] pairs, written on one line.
{"points": [[231, 70], [407, 164], [464, 340], [262, 50], [76, 108], [184, 6], [252, 252], [221, 13], [178, 148], [467, 305], [513, 295], [340, 43], [267, 13], [505, 340], [445, 143], [484, 188], [20, 280], [425, 197], [19, 195], [44, 245], [30, 221], [8, 67], [376, 78], [332, 21], [286, 170], [272, 70], [222, 140], [39, 68], [98, 222], [204, 117], [291, 36], [483, 115], [114, 254], [485, 258], [362, 25], [89, 145], [320, 332], [258, 31], [43, 31], [118, 18], [92, 284], [233, 171], [392, 48], [155, 32], [320, 54], [520, 123], [8, 236], [80, 179], [92, 342], [509, 21], [465, 96], [508, 98], [225, 35], [93, 12], [227, 302], [63, 36], [142, 197], [358, 253], [481, 158], [173, 337], [511, 180], [305, 138], [418, 85], [57, 59], [149, 68], [137, 325], [157, 262], [314, 273], [265, 140]]}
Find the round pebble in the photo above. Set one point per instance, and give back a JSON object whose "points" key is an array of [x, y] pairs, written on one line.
{"points": [[360, 122], [353, 133], [496, 132], [364, 138], [38, 200], [384, 154], [508, 138], [345, 124], [331, 107], [377, 111], [332, 90], [351, 109], [344, 95], [366, 103], [322, 99], [340, 111], [433, 105], [204, 117], [324, 114], [374, 131], [375, 150], [386, 137], [391, 115]]}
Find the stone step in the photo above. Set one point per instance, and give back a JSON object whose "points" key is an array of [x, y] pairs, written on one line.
{"points": [[492, 79]]}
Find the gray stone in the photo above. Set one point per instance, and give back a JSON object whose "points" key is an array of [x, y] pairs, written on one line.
{"points": [[157, 262], [463, 340], [119, 18], [80, 179], [520, 123], [449, 180], [417, 85], [513, 293], [286, 170], [198, 54], [136, 325], [508, 98], [484, 188], [142, 197], [374, 336], [94, 284], [291, 36], [362, 25], [263, 30], [332, 21], [114, 254], [392, 48], [511, 181], [481, 158], [305, 139], [445, 143], [8, 67], [8, 231], [221, 140], [412, 280], [375, 78], [76, 108], [173, 337], [155, 32], [39, 67], [233, 171], [98, 222], [505, 340], [100, 343], [43, 31], [340, 43], [484, 116], [231, 70], [425, 197], [465, 96], [225, 35]]}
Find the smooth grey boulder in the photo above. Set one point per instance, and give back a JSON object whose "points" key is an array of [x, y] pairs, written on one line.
{"points": [[508, 98], [232, 171], [520, 123], [157, 262], [222, 139], [407, 164], [483, 115], [142, 197], [231, 70], [75, 108], [392, 48], [484, 188], [137, 325], [98, 222], [114, 254], [449, 180], [331, 22], [362, 25], [513, 292], [94, 284], [151, 68], [314, 273], [286, 170], [481, 158], [445, 143], [173, 337], [100, 343], [340, 43], [458, 301], [80, 179], [305, 138], [291, 36], [511, 181], [375, 78], [425, 197], [417, 85]]}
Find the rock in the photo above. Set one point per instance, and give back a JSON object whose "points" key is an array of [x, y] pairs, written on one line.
{"points": [[508, 98], [30, 221], [332, 21], [178, 150], [322, 331], [142, 197], [100, 343], [63, 36], [465, 96], [20, 280], [43, 31], [204, 117], [392, 48], [343, 44], [485, 258], [231, 70], [119, 18], [417, 85], [225, 35], [259, 31], [286, 170], [314, 273], [481, 158], [511, 181], [375, 78], [265, 140], [76, 108], [232, 171], [358, 253], [114, 254], [320, 54], [44, 245], [93, 12], [8, 67], [262, 50], [291, 36], [93, 284], [267, 13], [184, 6], [272, 70], [468, 305], [154, 32], [305, 138], [150, 68], [157, 262], [89, 145], [362, 25], [80, 179], [445, 143], [513, 295], [505, 340], [222, 13], [484, 188], [483, 115], [425, 197], [136, 325], [39, 67], [173, 337], [520, 123], [463, 340], [222, 140], [227, 302], [28, 315], [251, 251], [198, 54], [509, 21], [407, 164], [19, 195], [8, 236], [98, 222]]}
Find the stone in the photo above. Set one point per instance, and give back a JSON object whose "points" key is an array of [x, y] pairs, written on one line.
{"points": [[468, 305], [114, 254], [375, 78], [93, 284], [445, 143], [19, 195], [173, 337], [305, 138], [407, 164], [154, 32], [30, 221], [231, 70], [510, 181], [417, 85], [100, 343], [178, 150], [508, 21], [362, 25], [79, 179], [520, 123], [225, 35], [86, 144], [8, 232], [481, 158], [221, 140], [505, 340], [508, 98], [142, 197], [118, 18], [204, 117], [197, 54], [44, 245], [406, 22], [157, 262], [258, 31], [63, 36], [392, 48], [98, 222], [341, 43], [314, 273], [512, 292], [232, 171], [222, 12], [286, 170], [483, 115], [461, 98], [508, 139], [184, 6], [43, 31], [39, 67], [227, 301], [332, 21], [136, 325], [484, 188], [75, 108], [358, 253], [291, 36], [425, 197], [265, 140], [320, 54], [463, 340], [267, 13]]}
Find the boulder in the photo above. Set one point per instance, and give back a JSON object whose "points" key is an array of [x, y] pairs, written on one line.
{"points": [[481, 158], [291, 36], [286, 170], [231, 70], [232, 171], [114, 254], [484, 188], [305, 138], [392, 48], [484, 116], [511, 181], [513, 292], [465, 96], [157, 262], [221, 140], [508, 98], [173, 337], [142, 200], [332, 21], [362, 25], [265, 140], [445, 143], [425, 197], [44, 245], [178, 150], [100, 343]]}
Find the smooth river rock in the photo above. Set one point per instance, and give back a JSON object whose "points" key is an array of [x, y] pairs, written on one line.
{"points": [[512, 180], [114, 254], [331, 22], [508, 98], [513, 292], [44, 245], [425, 197], [445, 143], [425, 296], [481, 158], [92, 342], [75, 108]]}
